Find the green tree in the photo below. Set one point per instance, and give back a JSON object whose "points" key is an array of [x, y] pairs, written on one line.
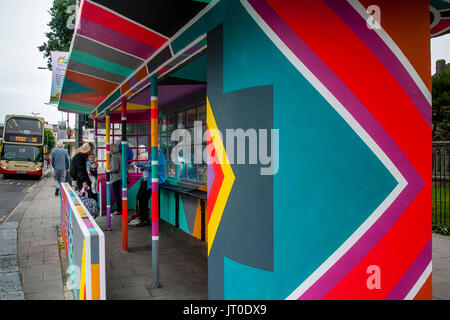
{"points": [[441, 107], [59, 38], [49, 140]]}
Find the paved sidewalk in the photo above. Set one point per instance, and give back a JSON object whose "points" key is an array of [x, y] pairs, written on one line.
{"points": [[37, 246], [10, 285], [441, 267], [183, 264]]}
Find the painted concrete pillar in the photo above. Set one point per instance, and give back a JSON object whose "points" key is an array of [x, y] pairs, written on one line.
{"points": [[351, 100], [108, 171], [154, 176], [124, 176]]}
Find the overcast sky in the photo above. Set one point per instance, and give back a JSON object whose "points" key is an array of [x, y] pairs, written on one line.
{"points": [[25, 89]]}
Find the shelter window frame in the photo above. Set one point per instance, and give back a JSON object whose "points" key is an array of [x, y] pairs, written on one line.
{"points": [[137, 134], [183, 119]]}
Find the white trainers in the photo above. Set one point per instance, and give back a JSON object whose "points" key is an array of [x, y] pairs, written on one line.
{"points": [[135, 222]]}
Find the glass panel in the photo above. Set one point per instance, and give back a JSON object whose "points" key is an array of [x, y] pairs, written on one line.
{"points": [[181, 120], [101, 167], [142, 129], [190, 118], [171, 169], [164, 152], [171, 122], [181, 171], [23, 130], [117, 140], [202, 173], [163, 125], [101, 128], [21, 153], [101, 154], [201, 114], [101, 141], [143, 141], [163, 140], [171, 143], [117, 129], [132, 142], [192, 172], [131, 129]]}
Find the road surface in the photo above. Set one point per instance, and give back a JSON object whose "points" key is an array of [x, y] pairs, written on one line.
{"points": [[12, 192]]}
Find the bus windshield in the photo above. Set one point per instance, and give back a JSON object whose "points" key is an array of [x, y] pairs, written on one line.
{"points": [[13, 152], [23, 130]]}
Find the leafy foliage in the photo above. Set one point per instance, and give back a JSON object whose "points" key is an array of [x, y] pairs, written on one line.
{"points": [[441, 107], [60, 36], [49, 139]]}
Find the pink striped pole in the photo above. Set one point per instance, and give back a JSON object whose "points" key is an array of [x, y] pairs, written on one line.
{"points": [[124, 176], [155, 191]]}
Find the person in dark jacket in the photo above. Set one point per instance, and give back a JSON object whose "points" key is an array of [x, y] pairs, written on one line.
{"points": [[79, 163]]}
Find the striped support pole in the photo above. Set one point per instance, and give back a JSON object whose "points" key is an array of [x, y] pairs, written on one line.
{"points": [[124, 176], [108, 171], [99, 199], [155, 193]]}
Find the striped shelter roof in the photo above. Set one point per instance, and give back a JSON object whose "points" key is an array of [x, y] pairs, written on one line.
{"points": [[440, 17], [118, 44]]}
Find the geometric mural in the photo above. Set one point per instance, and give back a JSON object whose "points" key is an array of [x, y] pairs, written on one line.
{"points": [[351, 99]]}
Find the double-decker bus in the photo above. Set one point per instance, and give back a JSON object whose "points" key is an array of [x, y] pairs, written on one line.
{"points": [[22, 146]]}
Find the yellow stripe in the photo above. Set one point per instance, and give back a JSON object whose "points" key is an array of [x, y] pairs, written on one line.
{"points": [[197, 232], [154, 132], [228, 179], [134, 106], [80, 209], [83, 273]]}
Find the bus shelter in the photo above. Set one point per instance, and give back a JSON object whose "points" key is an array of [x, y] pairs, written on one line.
{"points": [[331, 101]]}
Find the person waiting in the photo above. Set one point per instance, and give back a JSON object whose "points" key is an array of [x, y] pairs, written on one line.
{"points": [[116, 178], [145, 190], [61, 164]]}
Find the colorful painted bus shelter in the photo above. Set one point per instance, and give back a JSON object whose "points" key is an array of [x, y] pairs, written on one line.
{"points": [[334, 96]]}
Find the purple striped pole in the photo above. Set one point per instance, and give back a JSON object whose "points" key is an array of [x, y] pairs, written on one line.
{"points": [[108, 171]]}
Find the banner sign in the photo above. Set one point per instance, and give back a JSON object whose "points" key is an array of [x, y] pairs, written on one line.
{"points": [[59, 65]]}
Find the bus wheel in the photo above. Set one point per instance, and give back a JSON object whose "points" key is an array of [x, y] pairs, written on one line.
{"points": [[6, 176]]}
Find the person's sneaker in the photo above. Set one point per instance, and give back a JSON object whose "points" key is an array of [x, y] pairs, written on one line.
{"points": [[134, 217], [135, 222], [141, 224], [115, 213]]}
